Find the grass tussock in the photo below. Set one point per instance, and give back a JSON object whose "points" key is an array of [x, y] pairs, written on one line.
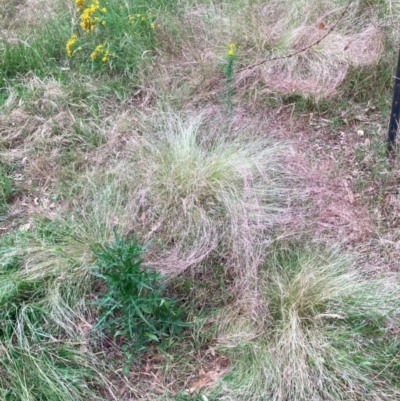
{"points": [[196, 192], [323, 331], [45, 342], [48, 341]]}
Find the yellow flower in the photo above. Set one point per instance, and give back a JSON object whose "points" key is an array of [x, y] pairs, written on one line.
{"points": [[153, 25], [87, 21], [98, 49], [103, 10], [87, 24], [231, 49], [69, 45], [79, 4], [103, 22], [105, 57]]}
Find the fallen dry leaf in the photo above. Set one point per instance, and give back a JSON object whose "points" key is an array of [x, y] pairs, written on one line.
{"points": [[206, 380]]}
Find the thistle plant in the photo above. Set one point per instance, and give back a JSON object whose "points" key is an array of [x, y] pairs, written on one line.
{"points": [[134, 304]]}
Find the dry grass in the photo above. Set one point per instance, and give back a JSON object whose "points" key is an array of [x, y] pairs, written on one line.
{"points": [[195, 44], [17, 14]]}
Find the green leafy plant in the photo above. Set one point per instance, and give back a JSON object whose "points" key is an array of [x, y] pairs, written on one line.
{"points": [[133, 302]]}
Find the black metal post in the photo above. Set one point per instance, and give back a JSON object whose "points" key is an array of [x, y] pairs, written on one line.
{"points": [[395, 114]]}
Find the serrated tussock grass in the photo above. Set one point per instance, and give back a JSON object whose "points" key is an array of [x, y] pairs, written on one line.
{"points": [[322, 331], [197, 188]]}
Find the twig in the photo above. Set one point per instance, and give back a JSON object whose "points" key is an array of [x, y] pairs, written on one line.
{"points": [[380, 29], [330, 30]]}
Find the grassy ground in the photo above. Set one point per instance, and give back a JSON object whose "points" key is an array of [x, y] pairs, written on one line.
{"points": [[174, 226]]}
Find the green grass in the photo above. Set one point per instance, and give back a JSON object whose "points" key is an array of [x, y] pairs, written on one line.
{"points": [[41, 356], [33, 369], [40, 51], [7, 188]]}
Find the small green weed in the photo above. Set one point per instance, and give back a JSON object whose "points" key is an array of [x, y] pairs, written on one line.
{"points": [[133, 303]]}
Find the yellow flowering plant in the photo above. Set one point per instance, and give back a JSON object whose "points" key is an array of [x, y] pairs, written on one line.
{"points": [[231, 49], [228, 71], [70, 44], [111, 34]]}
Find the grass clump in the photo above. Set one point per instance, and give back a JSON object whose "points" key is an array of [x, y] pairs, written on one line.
{"points": [[38, 369], [200, 192], [44, 351], [323, 332], [134, 303], [46, 346]]}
